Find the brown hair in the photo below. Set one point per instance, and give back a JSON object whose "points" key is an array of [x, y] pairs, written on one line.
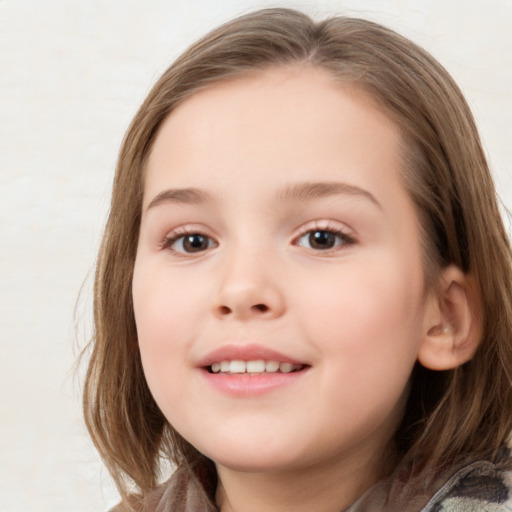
{"points": [[449, 414]]}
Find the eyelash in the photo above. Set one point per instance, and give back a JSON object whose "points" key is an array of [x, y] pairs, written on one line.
{"points": [[181, 233], [344, 239]]}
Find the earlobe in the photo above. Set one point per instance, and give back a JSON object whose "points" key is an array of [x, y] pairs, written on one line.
{"points": [[453, 325]]}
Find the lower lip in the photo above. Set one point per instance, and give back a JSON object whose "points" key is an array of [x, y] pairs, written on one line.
{"points": [[244, 384]]}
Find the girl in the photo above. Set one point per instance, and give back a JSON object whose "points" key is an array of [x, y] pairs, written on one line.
{"points": [[302, 298]]}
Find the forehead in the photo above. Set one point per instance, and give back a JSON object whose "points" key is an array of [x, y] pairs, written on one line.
{"points": [[280, 123]]}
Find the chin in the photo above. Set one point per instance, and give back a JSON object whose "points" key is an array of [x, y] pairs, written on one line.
{"points": [[252, 459], [255, 464]]}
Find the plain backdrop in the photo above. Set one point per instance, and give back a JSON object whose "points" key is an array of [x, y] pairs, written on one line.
{"points": [[72, 74]]}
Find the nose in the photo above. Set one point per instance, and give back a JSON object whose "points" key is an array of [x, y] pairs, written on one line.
{"points": [[249, 288]]}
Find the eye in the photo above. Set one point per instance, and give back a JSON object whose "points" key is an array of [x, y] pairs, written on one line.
{"points": [[189, 243], [323, 239]]}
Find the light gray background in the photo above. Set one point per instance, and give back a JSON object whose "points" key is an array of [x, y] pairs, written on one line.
{"points": [[72, 73]]}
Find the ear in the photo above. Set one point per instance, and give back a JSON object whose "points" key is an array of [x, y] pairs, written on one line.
{"points": [[453, 322]]}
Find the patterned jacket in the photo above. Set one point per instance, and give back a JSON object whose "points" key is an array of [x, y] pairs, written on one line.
{"points": [[480, 486]]}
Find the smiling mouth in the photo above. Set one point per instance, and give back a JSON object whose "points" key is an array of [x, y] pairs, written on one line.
{"points": [[255, 367]]}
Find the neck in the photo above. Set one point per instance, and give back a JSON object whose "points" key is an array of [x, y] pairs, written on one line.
{"points": [[330, 488]]}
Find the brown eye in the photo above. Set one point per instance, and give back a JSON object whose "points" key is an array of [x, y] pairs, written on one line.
{"points": [[192, 243], [323, 239]]}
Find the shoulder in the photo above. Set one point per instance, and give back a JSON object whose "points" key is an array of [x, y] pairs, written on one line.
{"points": [[478, 487], [474, 486], [180, 492]]}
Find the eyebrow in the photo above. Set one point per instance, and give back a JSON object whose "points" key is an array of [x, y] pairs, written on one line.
{"points": [[179, 195], [308, 190], [298, 191]]}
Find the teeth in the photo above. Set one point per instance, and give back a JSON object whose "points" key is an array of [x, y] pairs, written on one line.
{"points": [[271, 366], [256, 366], [286, 367], [237, 367]]}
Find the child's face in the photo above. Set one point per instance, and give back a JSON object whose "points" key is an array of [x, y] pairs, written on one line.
{"points": [[276, 227]]}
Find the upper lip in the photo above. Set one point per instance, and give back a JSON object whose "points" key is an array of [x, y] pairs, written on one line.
{"points": [[245, 352]]}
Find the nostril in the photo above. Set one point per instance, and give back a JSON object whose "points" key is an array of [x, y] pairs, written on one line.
{"points": [[260, 307], [225, 311]]}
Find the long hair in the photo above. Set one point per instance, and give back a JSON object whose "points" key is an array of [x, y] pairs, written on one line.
{"points": [[449, 414]]}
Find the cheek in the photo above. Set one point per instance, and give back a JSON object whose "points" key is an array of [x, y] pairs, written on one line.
{"points": [[162, 302], [166, 316], [369, 317]]}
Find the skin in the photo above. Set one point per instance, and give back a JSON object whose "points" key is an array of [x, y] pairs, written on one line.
{"points": [[356, 314]]}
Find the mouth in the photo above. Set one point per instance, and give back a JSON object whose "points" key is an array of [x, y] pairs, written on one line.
{"points": [[251, 370], [253, 367]]}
